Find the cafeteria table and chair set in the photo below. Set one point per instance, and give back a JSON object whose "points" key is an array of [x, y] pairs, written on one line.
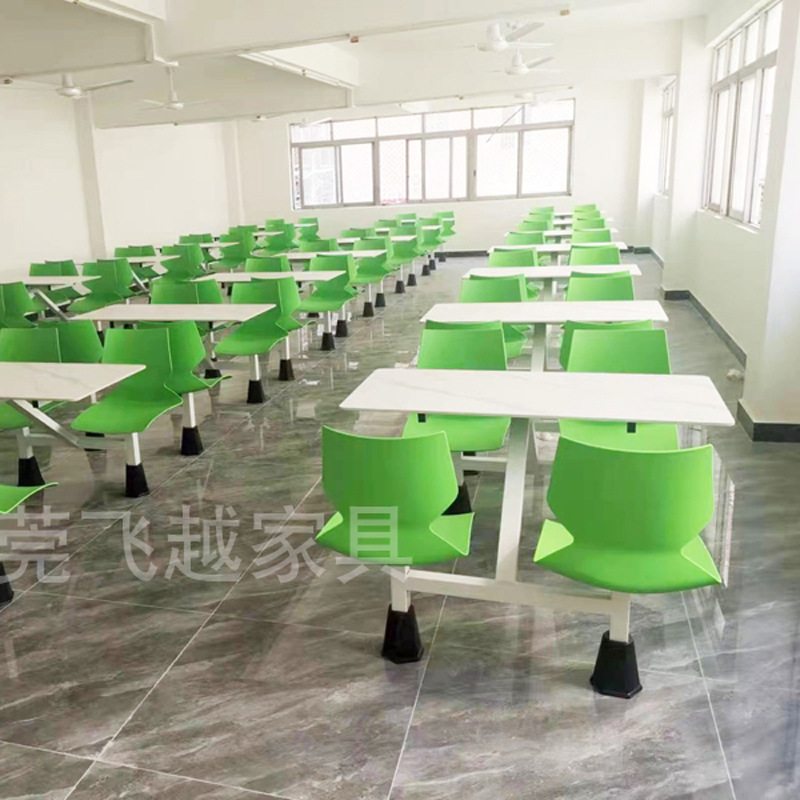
{"points": [[172, 320], [628, 503]]}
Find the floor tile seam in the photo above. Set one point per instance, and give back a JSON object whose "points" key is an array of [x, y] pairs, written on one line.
{"points": [[708, 698]]}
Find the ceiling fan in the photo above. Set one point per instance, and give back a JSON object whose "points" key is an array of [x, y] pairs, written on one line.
{"points": [[519, 66], [173, 102], [502, 35], [68, 87]]}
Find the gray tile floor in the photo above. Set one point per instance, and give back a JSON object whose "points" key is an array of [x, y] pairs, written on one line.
{"points": [[258, 674]]}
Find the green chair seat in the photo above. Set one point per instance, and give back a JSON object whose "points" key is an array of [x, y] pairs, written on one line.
{"points": [[637, 572], [131, 415], [11, 497], [409, 482]]}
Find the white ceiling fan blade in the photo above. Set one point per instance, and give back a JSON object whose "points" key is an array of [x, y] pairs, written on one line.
{"points": [[523, 30], [537, 62], [107, 85]]}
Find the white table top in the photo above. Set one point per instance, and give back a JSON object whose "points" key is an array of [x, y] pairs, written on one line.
{"points": [[296, 255], [556, 247], [301, 277], [60, 382], [177, 312], [687, 399], [549, 312], [404, 238], [556, 271], [54, 280]]}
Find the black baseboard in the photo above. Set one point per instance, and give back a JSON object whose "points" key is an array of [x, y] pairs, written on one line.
{"points": [[785, 432], [685, 294]]}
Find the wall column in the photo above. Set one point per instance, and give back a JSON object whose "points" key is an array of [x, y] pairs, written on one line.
{"points": [[84, 128]]}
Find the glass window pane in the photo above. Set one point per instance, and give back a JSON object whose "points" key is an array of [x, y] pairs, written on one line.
{"points": [[560, 111], [719, 148], [751, 35], [545, 161], [736, 53], [354, 129], [398, 126], [319, 176], [773, 29], [357, 182], [497, 164], [437, 169], [447, 121], [311, 133], [762, 146], [415, 169], [741, 156], [721, 67], [392, 160], [495, 117], [459, 167]]}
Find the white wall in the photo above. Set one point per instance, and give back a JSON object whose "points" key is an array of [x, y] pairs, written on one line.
{"points": [[42, 212], [605, 171], [162, 181]]}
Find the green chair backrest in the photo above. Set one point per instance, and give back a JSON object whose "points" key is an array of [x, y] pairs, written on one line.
{"points": [[275, 225], [377, 243], [611, 287], [584, 207], [16, 300], [325, 245], [571, 327], [196, 238], [462, 348], [599, 235], [191, 252], [78, 341], [276, 263], [308, 245], [588, 223], [29, 344], [135, 250], [529, 225], [522, 237], [148, 346], [593, 254], [493, 290], [167, 291], [642, 351], [54, 268], [209, 291], [586, 215], [513, 258], [344, 261], [644, 501], [412, 476], [186, 347]]}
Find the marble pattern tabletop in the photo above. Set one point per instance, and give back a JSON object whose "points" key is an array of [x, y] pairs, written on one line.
{"points": [[23, 380]]}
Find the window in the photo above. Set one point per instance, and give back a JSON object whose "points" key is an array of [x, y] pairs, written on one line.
{"points": [[740, 117], [510, 151], [667, 136]]}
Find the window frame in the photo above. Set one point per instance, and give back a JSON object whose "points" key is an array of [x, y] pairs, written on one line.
{"points": [[733, 80], [470, 134], [667, 147]]}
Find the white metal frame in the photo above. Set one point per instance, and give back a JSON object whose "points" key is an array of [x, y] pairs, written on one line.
{"points": [[734, 75], [470, 134]]}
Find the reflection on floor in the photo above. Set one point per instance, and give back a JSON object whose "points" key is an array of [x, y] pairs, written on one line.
{"points": [[196, 644]]}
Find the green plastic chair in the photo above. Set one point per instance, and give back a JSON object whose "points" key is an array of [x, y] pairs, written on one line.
{"points": [[274, 245], [319, 246], [513, 258], [278, 224], [585, 236], [588, 223], [629, 521], [16, 305], [447, 220], [112, 285], [26, 344], [618, 350], [58, 297], [233, 256], [593, 254], [78, 341], [499, 290], [459, 347], [134, 404], [185, 262], [605, 287], [276, 263], [144, 272], [571, 327], [259, 335], [585, 207], [518, 237], [529, 225], [410, 477]]}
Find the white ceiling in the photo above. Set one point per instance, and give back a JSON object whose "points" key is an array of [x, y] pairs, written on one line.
{"points": [[417, 50]]}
